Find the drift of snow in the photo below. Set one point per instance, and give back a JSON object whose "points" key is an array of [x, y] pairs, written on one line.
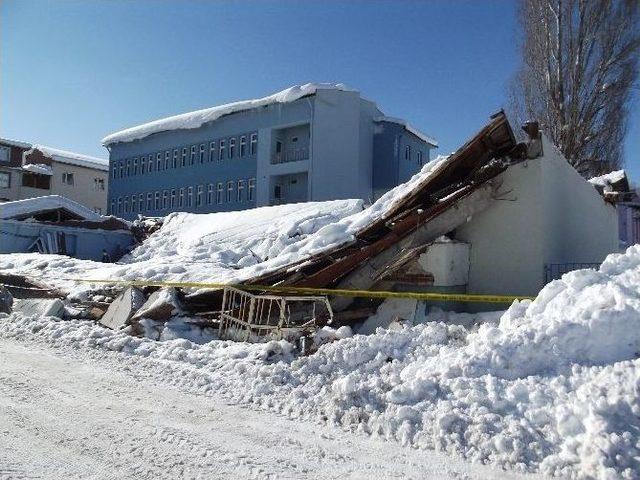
{"points": [[554, 386], [226, 247], [200, 117], [72, 158]]}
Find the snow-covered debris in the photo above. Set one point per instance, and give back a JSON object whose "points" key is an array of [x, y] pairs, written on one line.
{"points": [[554, 386], [608, 178], [38, 168], [200, 117]]}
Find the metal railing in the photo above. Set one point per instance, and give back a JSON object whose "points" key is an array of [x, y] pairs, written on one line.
{"points": [[255, 318], [291, 155], [553, 271]]}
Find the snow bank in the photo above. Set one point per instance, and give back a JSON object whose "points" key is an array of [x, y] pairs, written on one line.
{"points": [[554, 386], [200, 117], [72, 158]]}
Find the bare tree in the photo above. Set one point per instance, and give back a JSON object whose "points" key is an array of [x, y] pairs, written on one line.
{"points": [[579, 67]]}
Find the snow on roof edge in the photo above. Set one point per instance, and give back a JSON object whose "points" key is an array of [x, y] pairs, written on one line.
{"points": [[15, 143], [409, 128], [197, 118], [12, 209], [72, 158]]}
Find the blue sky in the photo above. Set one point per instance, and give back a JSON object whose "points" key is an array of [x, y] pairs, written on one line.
{"points": [[73, 71]]}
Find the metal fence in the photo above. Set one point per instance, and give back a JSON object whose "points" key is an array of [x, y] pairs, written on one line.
{"points": [[291, 155], [553, 271]]}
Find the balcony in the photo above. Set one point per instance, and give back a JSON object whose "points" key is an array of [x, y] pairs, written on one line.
{"points": [[290, 155]]}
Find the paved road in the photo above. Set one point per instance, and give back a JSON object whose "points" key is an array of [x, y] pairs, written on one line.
{"points": [[64, 415]]}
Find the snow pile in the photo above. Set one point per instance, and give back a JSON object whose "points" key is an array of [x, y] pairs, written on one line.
{"points": [[38, 168], [200, 117], [554, 386], [72, 158]]}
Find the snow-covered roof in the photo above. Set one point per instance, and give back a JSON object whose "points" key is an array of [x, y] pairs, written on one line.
{"points": [[38, 168], [409, 128], [20, 208], [72, 158], [200, 117], [608, 179], [15, 143]]}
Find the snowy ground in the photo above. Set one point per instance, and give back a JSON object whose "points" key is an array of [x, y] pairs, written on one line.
{"points": [[95, 414]]}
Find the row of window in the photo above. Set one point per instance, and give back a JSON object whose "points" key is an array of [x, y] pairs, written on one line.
{"points": [[234, 191], [35, 180], [219, 150]]}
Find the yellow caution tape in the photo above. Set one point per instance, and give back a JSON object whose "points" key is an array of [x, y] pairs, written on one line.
{"points": [[443, 297]]}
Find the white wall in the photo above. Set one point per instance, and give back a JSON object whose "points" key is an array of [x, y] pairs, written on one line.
{"points": [[83, 190], [544, 212]]}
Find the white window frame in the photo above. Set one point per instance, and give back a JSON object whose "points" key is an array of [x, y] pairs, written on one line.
{"points": [[135, 166], [232, 147], [68, 179], [7, 177], [143, 165], [165, 199], [156, 200], [212, 151], [121, 169], [253, 147], [243, 146], [176, 154], [119, 205], [181, 198], [158, 161], [149, 201], [128, 169], [126, 204], [407, 152], [140, 202], [134, 203], [230, 185], [219, 192], [5, 156], [240, 191], [167, 159], [112, 210], [150, 164], [172, 201], [189, 197], [192, 158], [251, 190], [183, 161], [210, 189], [222, 147], [202, 149], [199, 195]]}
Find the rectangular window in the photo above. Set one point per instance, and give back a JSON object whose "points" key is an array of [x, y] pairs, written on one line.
{"points": [[199, 193], [210, 194], [202, 150], [181, 198], [165, 199], [67, 178], [183, 162], [143, 165], [420, 157], [221, 150], [134, 201], [126, 204], [175, 159], [5, 180], [114, 171], [240, 195], [150, 164], [119, 204], [149, 202], [243, 146], [35, 180], [219, 191], [5, 154], [212, 151], [156, 202], [167, 159], [158, 161], [121, 171], [253, 149], [112, 209], [232, 147], [135, 166], [407, 152], [192, 159], [229, 192], [140, 202], [251, 193], [173, 198], [98, 184], [128, 171], [190, 197]]}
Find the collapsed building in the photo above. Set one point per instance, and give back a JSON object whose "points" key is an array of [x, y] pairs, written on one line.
{"points": [[56, 224], [497, 217]]}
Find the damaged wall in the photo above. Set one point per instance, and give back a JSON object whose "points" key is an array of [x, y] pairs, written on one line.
{"points": [[543, 212]]}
